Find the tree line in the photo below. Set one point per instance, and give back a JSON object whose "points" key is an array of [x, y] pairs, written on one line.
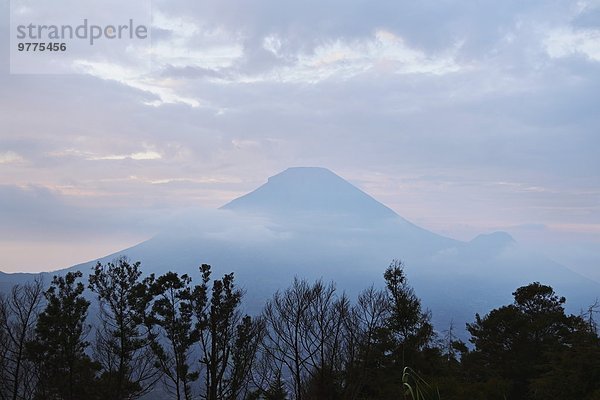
{"points": [[170, 337]]}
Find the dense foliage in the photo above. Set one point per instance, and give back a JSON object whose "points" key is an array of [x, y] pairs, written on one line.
{"points": [[159, 337]]}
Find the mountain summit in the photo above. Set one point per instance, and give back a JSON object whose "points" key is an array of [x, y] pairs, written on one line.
{"points": [[310, 190]]}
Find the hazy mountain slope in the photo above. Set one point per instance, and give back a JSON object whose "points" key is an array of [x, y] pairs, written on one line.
{"points": [[311, 223]]}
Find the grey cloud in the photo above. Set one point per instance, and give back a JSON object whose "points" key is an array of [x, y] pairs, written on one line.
{"points": [[430, 25], [315, 20], [39, 213], [36, 212]]}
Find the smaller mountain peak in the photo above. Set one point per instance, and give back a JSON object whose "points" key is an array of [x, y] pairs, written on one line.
{"points": [[495, 239]]}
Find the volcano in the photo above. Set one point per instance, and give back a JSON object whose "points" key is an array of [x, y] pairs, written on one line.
{"points": [[310, 223]]}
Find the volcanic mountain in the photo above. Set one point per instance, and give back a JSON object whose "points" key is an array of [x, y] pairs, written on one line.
{"points": [[310, 223]]}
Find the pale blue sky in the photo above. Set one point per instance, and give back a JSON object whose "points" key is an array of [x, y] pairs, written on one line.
{"points": [[464, 117]]}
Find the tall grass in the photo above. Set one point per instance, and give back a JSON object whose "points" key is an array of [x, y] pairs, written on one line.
{"points": [[416, 388]]}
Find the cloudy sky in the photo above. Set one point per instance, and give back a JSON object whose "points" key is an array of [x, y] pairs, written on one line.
{"points": [[465, 117]]}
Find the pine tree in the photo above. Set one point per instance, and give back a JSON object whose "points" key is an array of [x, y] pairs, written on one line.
{"points": [[122, 344], [408, 325], [531, 345], [64, 370], [228, 340], [276, 390], [404, 339], [170, 321]]}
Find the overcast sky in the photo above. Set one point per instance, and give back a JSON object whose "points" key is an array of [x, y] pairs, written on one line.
{"points": [[464, 117]]}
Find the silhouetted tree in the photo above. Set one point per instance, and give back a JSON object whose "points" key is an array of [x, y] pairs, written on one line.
{"points": [[364, 328], [122, 345], [573, 370], [306, 334], [532, 340], [276, 390], [403, 340], [18, 316], [58, 350], [408, 325], [170, 321], [590, 316], [228, 340], [309, 343], [286, 317]]}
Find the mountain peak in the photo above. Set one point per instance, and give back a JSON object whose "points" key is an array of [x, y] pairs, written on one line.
{"points": [[312, 176], [314, 190], [304, 172]]}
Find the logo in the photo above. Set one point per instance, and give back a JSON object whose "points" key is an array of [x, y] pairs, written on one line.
{"points": [[67, 36]]}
